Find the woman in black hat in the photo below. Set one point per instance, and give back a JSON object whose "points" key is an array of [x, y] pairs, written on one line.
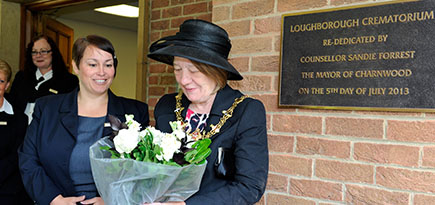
{"points": [[237, 168]]}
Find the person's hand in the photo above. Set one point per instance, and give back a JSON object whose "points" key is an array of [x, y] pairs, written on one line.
{"points": [[60, 200], [167, 203], [95, 201]]}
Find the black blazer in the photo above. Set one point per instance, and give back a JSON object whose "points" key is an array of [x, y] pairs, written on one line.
{"points": [[23, 88], [45, 154], [244, 133], [12, 132]]}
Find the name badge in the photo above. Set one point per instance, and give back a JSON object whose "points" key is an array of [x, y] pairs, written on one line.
{"points": [[53, 91], [107, 124], [3, 123]]}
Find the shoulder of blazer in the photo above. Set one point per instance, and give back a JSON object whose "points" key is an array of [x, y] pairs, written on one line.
{"points": [[57, 102], [165, 105]]}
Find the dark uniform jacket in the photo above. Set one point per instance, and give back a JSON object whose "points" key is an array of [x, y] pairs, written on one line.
{"points": [[23, 88], [244, 133], [45, 154], [12, 132]]}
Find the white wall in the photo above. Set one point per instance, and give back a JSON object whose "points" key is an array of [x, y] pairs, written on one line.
{"points": [[125, 43]]}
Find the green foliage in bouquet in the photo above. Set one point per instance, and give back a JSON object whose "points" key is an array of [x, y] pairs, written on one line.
{"points": [[151, 145]]}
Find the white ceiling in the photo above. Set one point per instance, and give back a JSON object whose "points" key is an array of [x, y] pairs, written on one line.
{"points": [[85, 13]]}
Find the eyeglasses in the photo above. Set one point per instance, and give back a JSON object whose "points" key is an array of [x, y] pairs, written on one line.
{"points": [[34, 53]]}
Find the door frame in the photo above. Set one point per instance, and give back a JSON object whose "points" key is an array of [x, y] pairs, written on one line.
{"points": [[31, 26]]}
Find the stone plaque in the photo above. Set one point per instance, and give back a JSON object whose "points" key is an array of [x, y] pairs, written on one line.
{"points": [[376, 57]]}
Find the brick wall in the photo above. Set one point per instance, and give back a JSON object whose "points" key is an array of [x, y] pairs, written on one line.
{"points": [[316, 156], [166, 17]]}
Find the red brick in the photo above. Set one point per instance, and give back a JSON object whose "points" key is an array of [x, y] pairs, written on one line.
{"points": [[366, 195], [297, 124], [262, 201], [221, 13], [253, 83], [317, 146], [172, 89], [367, 128], [252, 45], [277, 43], [265, 63], [168, 80], [219, 2], [170, 69], [157, 68], [237, 28], [292, 5], [285, 199], [176, 22], [171, 12], [411, 131], [420, 199], [159, 3], [160, 25], [195, 8], [179, 2], [153, 101], [270, 102], [280, 143], [205, 16], [277, 183], [286, 164], [267, 25], [268, 121], [316, 189], [154, 36], [341, 2], [169, 32], [429, 156], [387, 113], [421, 181], [342, 171], [387, 154], [252, 8], [153, 80], [240, 63], [319, 111], [275, 84], [156, 91], [152, 122], [155, 15]]}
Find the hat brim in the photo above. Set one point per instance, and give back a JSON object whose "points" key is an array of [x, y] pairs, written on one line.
{"points": [[166, 55]]}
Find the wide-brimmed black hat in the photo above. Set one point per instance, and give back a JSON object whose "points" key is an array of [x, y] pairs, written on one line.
{"points": [[197, 40]]}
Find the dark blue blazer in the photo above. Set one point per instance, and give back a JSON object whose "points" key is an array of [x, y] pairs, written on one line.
{"points": [[12, 132], [245, 133], [45, 154]]}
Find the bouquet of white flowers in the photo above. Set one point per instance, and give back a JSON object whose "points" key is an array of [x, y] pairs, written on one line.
{"points": [[138, 166]]}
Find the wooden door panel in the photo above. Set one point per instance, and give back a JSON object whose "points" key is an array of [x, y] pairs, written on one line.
{"points": [[62, 35]]}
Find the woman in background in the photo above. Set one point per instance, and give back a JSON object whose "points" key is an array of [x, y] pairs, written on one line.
{"points": [[12, 130], [54, 159], [45, 73]]}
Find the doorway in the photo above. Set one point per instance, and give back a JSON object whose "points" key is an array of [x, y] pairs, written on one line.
{"points": [[130, 44]]}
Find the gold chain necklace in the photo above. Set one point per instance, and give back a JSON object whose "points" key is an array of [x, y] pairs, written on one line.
{"points": [[214, 128]]}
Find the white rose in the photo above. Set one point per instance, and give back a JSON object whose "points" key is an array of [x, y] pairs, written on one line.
{"points": [[126, 140], [131, 123], [180, 134], [157, 134], [170, 145]]}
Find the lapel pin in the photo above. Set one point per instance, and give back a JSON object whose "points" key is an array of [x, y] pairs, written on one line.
{"points": [[53, 91]]}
